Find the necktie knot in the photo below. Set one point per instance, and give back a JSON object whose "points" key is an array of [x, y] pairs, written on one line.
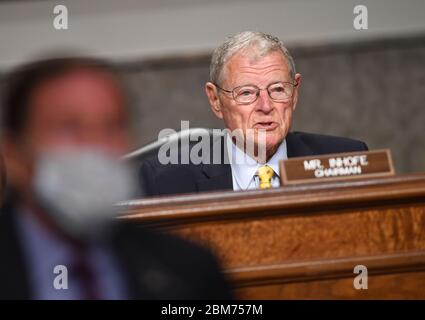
{"points": [[265, 175]]}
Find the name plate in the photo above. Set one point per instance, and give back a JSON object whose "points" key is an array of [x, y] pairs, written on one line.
{"points": [[337, 166]]}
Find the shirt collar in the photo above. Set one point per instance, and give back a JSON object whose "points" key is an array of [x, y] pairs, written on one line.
{"points": [[244, 167]]}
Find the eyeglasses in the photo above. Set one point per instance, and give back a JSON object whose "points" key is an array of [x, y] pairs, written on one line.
{"points": [[278, 92]]}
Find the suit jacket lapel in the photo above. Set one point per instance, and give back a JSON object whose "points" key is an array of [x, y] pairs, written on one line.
{"points": [[297, 147], [217, 176]]}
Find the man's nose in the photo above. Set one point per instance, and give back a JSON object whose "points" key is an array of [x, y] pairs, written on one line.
{"points": [[264, 102]]}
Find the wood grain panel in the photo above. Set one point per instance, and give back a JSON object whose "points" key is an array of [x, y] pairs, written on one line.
{"points": [[303, 225], [278, 239], [407, 285]]}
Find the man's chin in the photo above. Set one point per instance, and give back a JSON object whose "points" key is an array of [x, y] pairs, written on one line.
{"points": [[271, 145], [264, 151], [272, 140]]}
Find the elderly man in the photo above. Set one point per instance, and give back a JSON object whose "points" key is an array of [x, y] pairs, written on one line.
{"points": [[254, 89], [65, 129]]}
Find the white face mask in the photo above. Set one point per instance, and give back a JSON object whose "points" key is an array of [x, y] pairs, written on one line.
{"points": [[78, 189]]}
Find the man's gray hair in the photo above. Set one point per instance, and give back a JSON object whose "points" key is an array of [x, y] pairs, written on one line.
{"points": [[262, 42]]}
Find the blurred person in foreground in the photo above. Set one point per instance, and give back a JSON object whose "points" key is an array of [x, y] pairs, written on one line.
{"points": [[65, 127], [254, 89]]}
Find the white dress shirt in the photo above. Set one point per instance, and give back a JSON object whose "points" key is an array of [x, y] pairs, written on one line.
{"points": [[244, 168]]}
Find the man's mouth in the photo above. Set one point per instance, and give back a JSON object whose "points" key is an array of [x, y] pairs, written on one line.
{"points": [[266, 125]]}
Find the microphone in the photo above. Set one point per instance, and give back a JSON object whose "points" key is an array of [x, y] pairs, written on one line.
{"points": [[171, 138]]}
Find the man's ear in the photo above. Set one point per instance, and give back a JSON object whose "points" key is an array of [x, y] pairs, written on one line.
{"points": [[298, 79], [212, 94]]}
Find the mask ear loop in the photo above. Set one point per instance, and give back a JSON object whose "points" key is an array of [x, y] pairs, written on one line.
{"points": [[3, 180]]}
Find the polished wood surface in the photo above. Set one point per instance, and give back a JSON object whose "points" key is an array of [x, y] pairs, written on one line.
{"points": [[304, 241]]}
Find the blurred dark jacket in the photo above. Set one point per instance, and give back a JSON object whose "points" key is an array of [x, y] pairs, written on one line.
{"points": [[156, 266]]}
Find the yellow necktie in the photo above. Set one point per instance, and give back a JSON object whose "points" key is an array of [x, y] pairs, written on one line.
{"points": [[265, 174]]}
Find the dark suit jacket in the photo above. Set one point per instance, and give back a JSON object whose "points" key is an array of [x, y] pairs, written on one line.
{"points": [[159, 179], [156, 266]]}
